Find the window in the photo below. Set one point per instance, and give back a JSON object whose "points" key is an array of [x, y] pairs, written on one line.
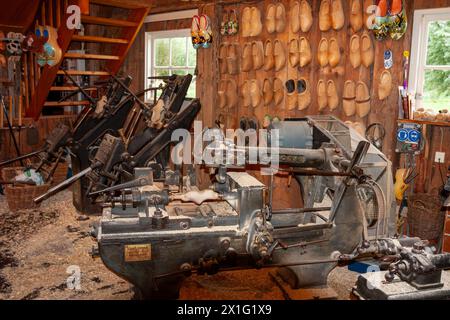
{"points": [[430, 59], [169, 52]]}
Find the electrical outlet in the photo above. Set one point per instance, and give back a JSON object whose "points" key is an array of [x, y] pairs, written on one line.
{"points": [[439, 157]]}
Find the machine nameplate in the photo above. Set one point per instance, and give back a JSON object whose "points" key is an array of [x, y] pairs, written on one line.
{"points": [[138, 252]]}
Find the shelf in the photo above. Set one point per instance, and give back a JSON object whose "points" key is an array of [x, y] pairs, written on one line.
{"points": [[70, 88], [128, 4], [108, 21], [74, 55], [84, 73], [66, 103], [425, 122]]}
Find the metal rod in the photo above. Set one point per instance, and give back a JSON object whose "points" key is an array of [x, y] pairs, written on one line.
{"points": [[11, 130], [316, 172], [93, 102], [283, 265], [140, 102], [62, 185], [28, 155], [55, 165], [301, 244], [301, 210]]}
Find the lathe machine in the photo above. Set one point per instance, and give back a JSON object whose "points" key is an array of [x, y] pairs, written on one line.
{"points": [[155, 233]]}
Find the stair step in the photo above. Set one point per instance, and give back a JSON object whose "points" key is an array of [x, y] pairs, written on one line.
{"points": [[70, 88], [66, 103], [98, 39], [120, 4], [107, 21], [74, 55], [85, 73]]}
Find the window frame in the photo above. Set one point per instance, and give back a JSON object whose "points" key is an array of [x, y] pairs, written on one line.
{"points": [[150, 66], [419, 50]]}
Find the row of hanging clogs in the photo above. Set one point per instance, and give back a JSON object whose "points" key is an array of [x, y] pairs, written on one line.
{"points": [[201, 31], [390, 20], [331, 15], [252, 95], [298, 94], [361, 50], [255, 55], [355, 98], [271, 54]]}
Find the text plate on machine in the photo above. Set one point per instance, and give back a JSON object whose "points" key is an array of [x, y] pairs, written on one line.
{"points": [[138, 252]]}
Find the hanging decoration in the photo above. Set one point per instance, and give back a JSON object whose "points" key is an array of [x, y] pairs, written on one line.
{"points": [[201, 32], [390, 20], [229, 25]]}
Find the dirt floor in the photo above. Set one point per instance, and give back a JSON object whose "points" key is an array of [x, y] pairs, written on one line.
{"points": [[40, 249]]}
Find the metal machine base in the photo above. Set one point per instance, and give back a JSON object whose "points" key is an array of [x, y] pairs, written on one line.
{"points": [[373, 286]]}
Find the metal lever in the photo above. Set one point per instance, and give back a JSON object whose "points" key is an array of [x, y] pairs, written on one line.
{"points": [[358, 156], [62, 185], [120, 82], [25, 156], [93, 102], [142, 181]]}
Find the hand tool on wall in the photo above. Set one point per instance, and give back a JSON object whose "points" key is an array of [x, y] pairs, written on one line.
{"points": [[13, 137]]}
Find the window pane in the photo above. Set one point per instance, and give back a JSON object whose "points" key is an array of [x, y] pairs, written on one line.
{"points": [[162, 72], [192, 55], [438, 43], [191, 93], [157, 83], [161, 52], [436, 93], [180, 72], [178, 51], [191, 71]]}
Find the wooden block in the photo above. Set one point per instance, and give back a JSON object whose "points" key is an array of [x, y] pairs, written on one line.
{"points": [[316, 293]]}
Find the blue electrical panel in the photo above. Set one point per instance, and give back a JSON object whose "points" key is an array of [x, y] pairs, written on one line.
{"points": [[409, 138]]}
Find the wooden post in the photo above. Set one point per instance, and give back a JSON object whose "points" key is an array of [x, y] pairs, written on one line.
{"points": [[11, 110], [58, 13], [25, 79], [84, 7], [50, 13], [20, 111], [31, 66], [43, 20], [2, 116]]}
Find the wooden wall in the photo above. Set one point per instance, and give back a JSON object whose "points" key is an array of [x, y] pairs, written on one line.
{"points": [[385, 111]]}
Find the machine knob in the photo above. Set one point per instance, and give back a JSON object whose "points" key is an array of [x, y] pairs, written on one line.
{"points": [[95, 252]]}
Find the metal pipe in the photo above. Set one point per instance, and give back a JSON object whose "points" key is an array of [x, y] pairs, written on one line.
{"points": [[62, 185], [28, 155], [282, 265], [305, 172], [140, 102], [92, 101], [300, 210]]}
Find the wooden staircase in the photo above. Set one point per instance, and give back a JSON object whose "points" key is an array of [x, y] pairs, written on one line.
{"points": [[110, 54]]}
